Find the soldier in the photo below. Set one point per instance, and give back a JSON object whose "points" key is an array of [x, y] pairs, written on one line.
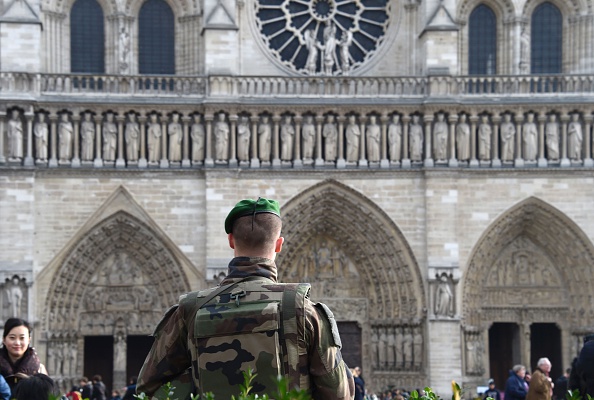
{"points": [[250, 321]]}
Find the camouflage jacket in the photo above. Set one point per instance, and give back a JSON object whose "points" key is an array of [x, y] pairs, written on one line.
{"points": [[197, 336]]}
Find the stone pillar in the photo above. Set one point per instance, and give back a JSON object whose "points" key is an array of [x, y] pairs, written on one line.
{"points": [[29, 160], [233, 140], [120, 162], [473, 160], [405, 159], [428, 162], [363, 142], [98, 163], [452, 120], [496, 119], [542, 119], [53, 162], [384, 162], [165, 134], [340, 162], [186, 142], [564, 119], [276, 162], [519, 161], [588, 162], [319, 159], [76, 138], [142, 162], [298, 162], [2, 116], [255, 163], [208, 161]]}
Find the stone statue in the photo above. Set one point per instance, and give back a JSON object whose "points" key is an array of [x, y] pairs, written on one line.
{"points": [[65, 130], [15, 136], [407, 347], [391, 361], [41, 138], [124, 48], [530, 138], [375, 349], [120, 350], [552, 137], [463, 139], [132, 137], [329, 47], [574, 138], [373, 137], [330, 134], [395, 138], [440, 138], [175, 138], [443, 298], [110, 138], [418, 348], [308, 133], [345, 42], [15, 297], [154, 139], [264, 139], [243, 139], [287, 135], [416, 139], [313, 47], [399, 356], [353, 134], [508, 134], [221, 133], [87, 133], [484, 138], [197, 134], [524, 50]]}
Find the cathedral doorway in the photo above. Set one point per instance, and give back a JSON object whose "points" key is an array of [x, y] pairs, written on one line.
{"points": [[504, 351], [98, 359], [350, 335], [138, 348], [545, 341]]}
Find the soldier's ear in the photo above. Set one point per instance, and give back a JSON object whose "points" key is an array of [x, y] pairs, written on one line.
{"points": [[279, 244], [231, 240]]}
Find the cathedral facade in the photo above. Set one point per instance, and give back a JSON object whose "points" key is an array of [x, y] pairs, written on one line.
{"points": [[433, 162]]}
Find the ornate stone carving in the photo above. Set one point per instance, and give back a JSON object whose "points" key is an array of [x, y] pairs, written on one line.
{"points": [[552, 138], [221, 134], [87, 134], [132, 137], [574, 138], [395, 138], [175, 138], [508, 139], [41, 132], [373, 137], [65, 132], [197, 135], [474, 352], [154, 134], [287, 137], [463, 139], [530, 132], [110, 138], [330, 134], [308, 133], [484, 138], [244, 135], [353, 136], [440, 138], [415, 132], [14, 131]]}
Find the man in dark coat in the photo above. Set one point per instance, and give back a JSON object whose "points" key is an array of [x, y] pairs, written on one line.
{"points": [[515, 387]]}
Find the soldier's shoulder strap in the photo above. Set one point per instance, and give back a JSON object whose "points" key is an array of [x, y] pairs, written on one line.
{"points": [[293, 309]]}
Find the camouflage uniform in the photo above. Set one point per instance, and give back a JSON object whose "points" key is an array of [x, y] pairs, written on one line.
{"points": [[308, 355]]}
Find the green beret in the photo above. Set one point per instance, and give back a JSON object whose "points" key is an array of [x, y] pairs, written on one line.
{"points": [[251, 207]]}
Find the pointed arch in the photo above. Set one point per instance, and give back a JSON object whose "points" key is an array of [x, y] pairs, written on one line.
{"points": [[564, 252], [385, 262], [87, 37]]}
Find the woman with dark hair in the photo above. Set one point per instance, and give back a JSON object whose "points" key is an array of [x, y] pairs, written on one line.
{"points": [[17, 359], [36, 387]]}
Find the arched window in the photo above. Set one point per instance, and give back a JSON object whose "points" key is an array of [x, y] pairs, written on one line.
{"points": [[482, 41], [156, 42], [546, 38], [87, 38]]}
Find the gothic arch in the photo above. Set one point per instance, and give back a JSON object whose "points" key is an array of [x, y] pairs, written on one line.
{"points": [[387, 269], [567, 8], [179, 8], [502, 9], [565, 255]]}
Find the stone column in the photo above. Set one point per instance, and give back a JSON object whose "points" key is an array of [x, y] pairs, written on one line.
{"points": [[452, 120], [233, 140], [297, 162], [76, 138], [496, 119], [564, 119], [588, 162], [142, 162], [186, 143], [2, 116], [208, 161], [165, 134], [319, 160], [362, 146], [120, 162], [29, 160], [428, 162], [405, 159], [255, 163], [384, 162], [276, 162], [340, 162], [473, 160], [53, 161], [542, 118], [98, 163], [519, 161]]}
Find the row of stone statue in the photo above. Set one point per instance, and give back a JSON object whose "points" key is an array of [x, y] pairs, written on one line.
{"points": [[397, 347], [287, 140]]}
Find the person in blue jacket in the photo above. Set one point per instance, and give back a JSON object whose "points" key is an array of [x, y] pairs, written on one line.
{"points": [[516, 387], [4, 389]]}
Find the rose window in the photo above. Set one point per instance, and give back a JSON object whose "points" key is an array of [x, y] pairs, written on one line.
{"points": [[322, 37]]}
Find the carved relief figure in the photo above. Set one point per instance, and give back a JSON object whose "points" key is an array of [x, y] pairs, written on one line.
{"points": [[416, 139], [440, 138], [87, 134], [407, 347], [353, 133], [382, 347], [330, 134], [313, 47], [65, 130], [264, 139], [221, 133], [287, 134], [375, 348], [508, 135], [345, 42], [552, 137], [395, 138], [154, 139], [175, 138], [373, 136], [197, 134], [524, 50], [463, 139], [443, 297], [418, 348], [574, 138], [391, 348], [484, 136], [308, 132], [530, 138], [243, 139], [41, 138], [14, 294], [15, 136], [110, 138], [132, 137], [329, 47], [120, 350]]}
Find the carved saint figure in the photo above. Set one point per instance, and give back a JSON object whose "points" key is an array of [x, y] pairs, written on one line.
{"points": [[197, 134], [484, 137], [552, 137], [530, 138], [287, 135], [221, 133], [407, 347], [329, 47], [15, 136], [110, 138], [41, 137], [15, 297], [463, 139], [308, 132], [345, 42], [353, 134], [373, 136], [154, 139], [330, 134], [418, 348], [243, 139], [574, 138], [313, 47], [416, 139], [132, 137], [508, 134], [443, 297], [175, 138], [264, 139], [395, 138], [65, 130], [87, 134], [440, 138]]}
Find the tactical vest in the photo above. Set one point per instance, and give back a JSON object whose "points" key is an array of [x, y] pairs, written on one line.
{"points": [[250, 324]]}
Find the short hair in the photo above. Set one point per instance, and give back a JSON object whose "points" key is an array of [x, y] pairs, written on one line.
{"points": [[258, 231], [36, 387], [97, 378], [516, 368], [543, 361], [12, 323]]}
